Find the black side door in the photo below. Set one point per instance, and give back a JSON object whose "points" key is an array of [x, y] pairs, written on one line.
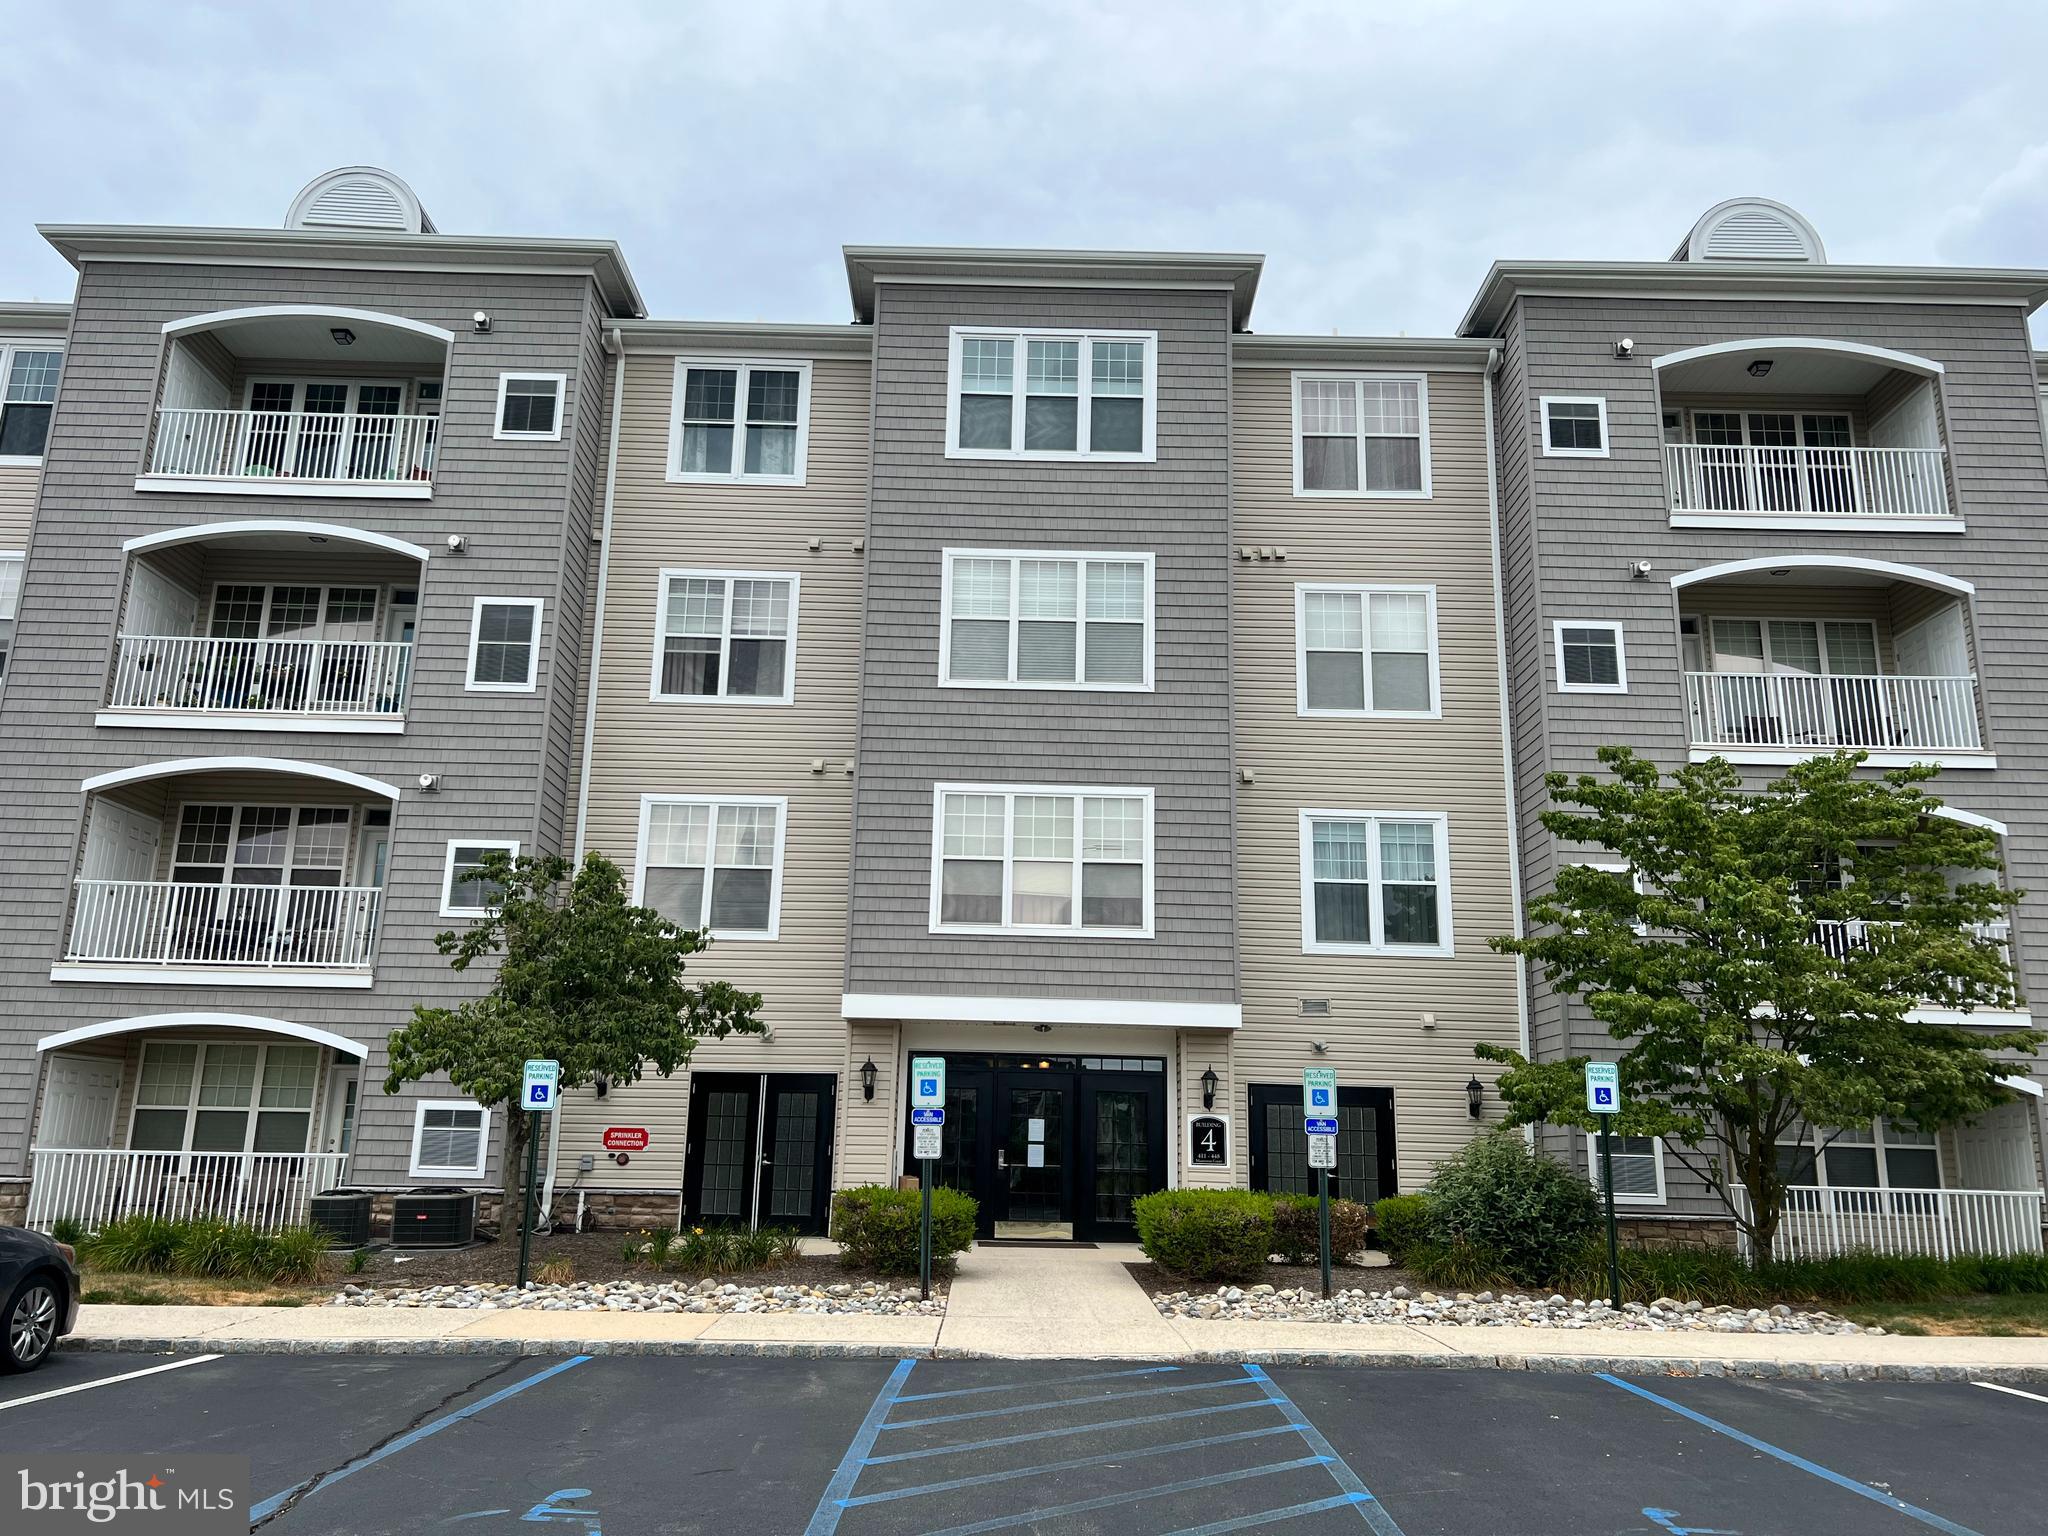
{"points": [[1121, 1151], [721, 1151], [966, 1159], [796, 1151], [1365, 1143]]}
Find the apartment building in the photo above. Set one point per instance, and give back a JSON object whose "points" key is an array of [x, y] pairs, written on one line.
{"points": [[1758, 505], [300, 632]]}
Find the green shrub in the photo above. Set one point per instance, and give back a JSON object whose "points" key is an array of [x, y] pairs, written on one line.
{"points": [[358, 1261], [877, 1227], [1713, 1277], [1457, 1266], [206, 1249], [660, 1240], [296, 1253], [67, 1230], [1207, 1234], [785, 1244], [1399, 1223], [1297, 1237], [1498, 1197], [139, 1245]]}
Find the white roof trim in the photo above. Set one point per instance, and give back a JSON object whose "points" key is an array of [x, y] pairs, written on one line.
{"points": [[1038, 1010], [166, 770], [1970, 819], [198, 531], [221, 317], [203, 1020], [1800, 344], [2023, 1085], [1913, 573]]}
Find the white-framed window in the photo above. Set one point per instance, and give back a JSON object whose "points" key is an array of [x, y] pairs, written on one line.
{"points": [[1575, 426], [465, 892], [1375, 882], [1880, 1156], [11, 566], [1621, 870], [713, 861], [1045, 619], [1638, 1168], [738, 419], [1041, 859], [28, 397], [504, 645], [1366, 649], [1361, 434], [1590, 658], [530, 405], [1035, 393], [725, 635], [224, 1096], [450, 1139]]}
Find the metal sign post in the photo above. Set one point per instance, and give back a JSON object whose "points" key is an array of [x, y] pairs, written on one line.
{"points": [[537, 1097], [1603, 1098], [928, 1120], [1319, 1121]]}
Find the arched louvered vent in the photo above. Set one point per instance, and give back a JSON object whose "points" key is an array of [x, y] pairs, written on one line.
{"points": [[359, 197], [1751, 229]]}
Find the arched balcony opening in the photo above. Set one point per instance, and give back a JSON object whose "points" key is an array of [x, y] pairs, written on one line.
{"points": [[298, 400]]}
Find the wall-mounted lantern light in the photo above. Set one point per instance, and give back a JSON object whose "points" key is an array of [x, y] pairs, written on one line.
{"points": [[1208, 1088], [1475, 1097], [867, 1079]]}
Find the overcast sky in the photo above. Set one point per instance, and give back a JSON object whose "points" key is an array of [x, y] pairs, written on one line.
{"points": [[1379, 154]]}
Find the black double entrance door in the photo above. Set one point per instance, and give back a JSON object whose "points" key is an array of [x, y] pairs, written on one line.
{"points": [[760, 1149], [1053, 1147]]}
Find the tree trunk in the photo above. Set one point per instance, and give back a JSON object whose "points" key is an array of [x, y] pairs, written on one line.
{"points": [[512, 1210]]}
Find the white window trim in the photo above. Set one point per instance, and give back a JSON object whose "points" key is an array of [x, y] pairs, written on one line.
{"points": [[448, 907], [561, 383], [1022, 335], [1440, 823], [192, 1106], [1614, 865], [1039, 930], [1420, 380], [9, 345], [687, 573], [1366, 589], [1622, 1197], [16, 557], [737, 475], [418, 1170], [948, 555], [476, 619], [1546, 402], [778, 803], [1820, 1142], [1619, 685], [1764, 621]]}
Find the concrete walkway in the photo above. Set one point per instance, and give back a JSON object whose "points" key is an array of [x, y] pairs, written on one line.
{"points": [[1052, 1303]]}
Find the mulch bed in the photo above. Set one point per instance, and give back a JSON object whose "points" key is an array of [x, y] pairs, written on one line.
{"points": [[597, 1256], [1282, 1277]]}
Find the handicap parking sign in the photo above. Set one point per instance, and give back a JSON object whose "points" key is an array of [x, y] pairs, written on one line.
{"points": [[927, 1087]]}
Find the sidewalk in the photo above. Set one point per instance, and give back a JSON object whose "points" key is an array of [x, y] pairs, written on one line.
{"points": [[1053, 1303]]}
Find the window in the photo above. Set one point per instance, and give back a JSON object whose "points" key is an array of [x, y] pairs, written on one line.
{"points": [[1375, 882], [736, 420], [450, 1139], [28, 396], [1575, 427], [10, 603], [1038, 394], [1366, 650], [464, 892], [726, 635], [1879, 1156], [1589, 657], [1638, 1168], [713, 862], [1038, 619], [504, 644], [1042, 859], [232, 1097], [1361, 434], [530, 405]]}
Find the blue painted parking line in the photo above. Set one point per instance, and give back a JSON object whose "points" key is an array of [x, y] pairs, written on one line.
{"points": [[1111, 1500], [1209, 1411], [1362, 1498], [832, 1503], [1018, 1386], [276, 1501], [1067, 1402], [1862, 1490], [1267, 1516]]}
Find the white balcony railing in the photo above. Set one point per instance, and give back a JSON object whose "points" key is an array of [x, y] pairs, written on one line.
{"points": [[1843, 938], [1850, 482], [196, 674], [1819, 1222], [162, 922], [293, 445], [92, 1188], [1802, 710]]}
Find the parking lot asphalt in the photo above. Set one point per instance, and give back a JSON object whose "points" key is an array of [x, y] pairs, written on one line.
{"points": [[791, 1447]]}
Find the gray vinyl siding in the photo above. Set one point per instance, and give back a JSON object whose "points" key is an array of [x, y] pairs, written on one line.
{"points": [[522, 506], [1175, 740], [1593, 517]]}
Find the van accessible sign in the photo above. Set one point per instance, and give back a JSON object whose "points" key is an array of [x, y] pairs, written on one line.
{"points": [[1319, 1100]]}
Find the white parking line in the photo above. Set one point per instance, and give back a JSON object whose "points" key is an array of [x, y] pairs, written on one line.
{"points": [[104, 1381], [1992, 1386]]}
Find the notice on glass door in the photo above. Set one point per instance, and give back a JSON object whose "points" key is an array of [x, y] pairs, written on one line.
{"points": [[1036, 1132], [1035, 1156]]}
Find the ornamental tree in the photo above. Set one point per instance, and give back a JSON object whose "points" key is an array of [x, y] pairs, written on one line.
{"points": [[1760, 960], [585, 978]]}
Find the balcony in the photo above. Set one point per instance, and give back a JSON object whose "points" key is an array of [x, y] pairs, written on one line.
{"points": [[325, 678], [1877, 483], [208, 923], [1820, 1222], [1825, 714], [305, 448], [92, 1187]]}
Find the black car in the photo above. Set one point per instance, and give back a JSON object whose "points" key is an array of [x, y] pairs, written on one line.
{"points": [[39, 1278]]}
